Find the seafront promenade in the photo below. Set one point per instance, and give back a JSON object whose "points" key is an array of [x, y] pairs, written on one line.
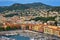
{"points": [[31, 34]]}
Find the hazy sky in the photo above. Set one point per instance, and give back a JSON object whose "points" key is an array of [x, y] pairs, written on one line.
{"points": [[48, 2]]}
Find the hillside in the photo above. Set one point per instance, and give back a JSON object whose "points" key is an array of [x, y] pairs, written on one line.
{"points": [[56, 8], [18, 6]]}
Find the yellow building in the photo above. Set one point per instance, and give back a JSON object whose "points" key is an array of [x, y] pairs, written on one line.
{"points": [[55, 30], [36, 28], [50, 30], [56, 33]]}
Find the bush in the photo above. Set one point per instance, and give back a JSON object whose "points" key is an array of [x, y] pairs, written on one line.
{"points": [[8, 28]]}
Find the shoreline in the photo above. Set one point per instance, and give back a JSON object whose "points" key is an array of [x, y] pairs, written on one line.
{"points": [[28, 33]]}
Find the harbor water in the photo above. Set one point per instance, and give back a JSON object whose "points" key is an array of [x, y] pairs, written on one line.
{"points": [[14, 37]]}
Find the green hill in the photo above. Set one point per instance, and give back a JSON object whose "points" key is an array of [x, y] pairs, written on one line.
{"points": [[18, 6], [37, 5]]}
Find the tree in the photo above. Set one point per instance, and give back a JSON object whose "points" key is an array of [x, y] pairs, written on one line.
{"points": [[8, 28], [45, 19]]}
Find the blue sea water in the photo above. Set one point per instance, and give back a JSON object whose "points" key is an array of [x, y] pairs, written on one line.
{"points": [[17, 37]]}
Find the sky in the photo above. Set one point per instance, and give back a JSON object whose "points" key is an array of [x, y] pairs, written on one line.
{"points": [[48, 2]]}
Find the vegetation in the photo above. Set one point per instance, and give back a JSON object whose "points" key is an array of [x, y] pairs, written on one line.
{"points": [[14, 28], [10, 15], [8, 28], [55, 9], [44, 19], [18, 6]]}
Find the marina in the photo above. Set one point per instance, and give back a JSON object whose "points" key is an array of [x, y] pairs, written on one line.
{"points": [[29, 20], [30, 34]]}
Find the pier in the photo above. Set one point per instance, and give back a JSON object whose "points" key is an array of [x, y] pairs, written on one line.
{"points": [[31, 34]]}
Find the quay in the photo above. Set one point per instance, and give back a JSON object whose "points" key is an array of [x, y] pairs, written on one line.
{"points": [[31, 34]]}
